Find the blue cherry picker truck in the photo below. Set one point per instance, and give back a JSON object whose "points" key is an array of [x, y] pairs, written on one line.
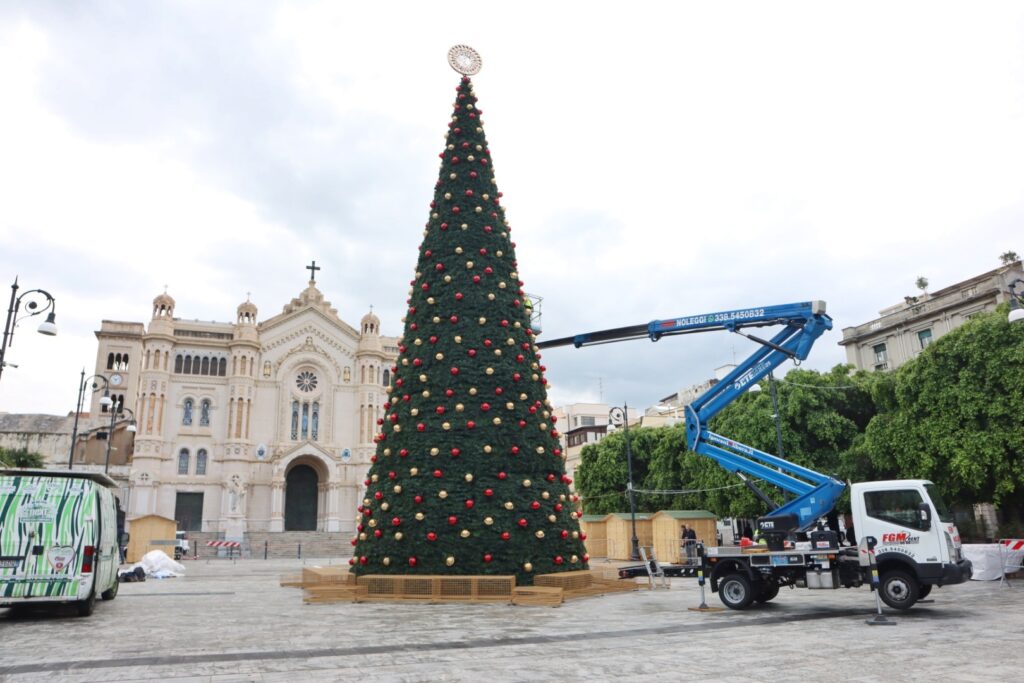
{"points": [[904, 523]]}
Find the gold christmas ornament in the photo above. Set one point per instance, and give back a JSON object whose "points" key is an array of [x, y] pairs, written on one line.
{"points": [[510, 406], [439, 356], [448, 195], [487, 449], [414, 471], [399, 536], [374, 479], [575, 534], [425, 393], [488, 521], [372, 522], [398, 488], [540, 449], [472, 391], [458, 339], [468, 477], [509, 505], [545, 495], [539, 533], [419, 516], [447, 278], [528, 567], [430, 300], [459, 407], [489, 371], [458, 250], [490, 296], [386, 561], [482, 321], [436, 319], [527, 483], [469, 265], [385, 506], [362, 536], [442, 494], [434, 451], [449, 561], [387, 451], [464, 533], [446, 426], [414, 412], [496, 420], [552, 519], [398, 428], [574, 559]]}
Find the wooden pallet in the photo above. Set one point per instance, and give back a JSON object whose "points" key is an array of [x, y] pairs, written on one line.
{"points": [[550, 596], [291, 581], [338, 592], [435, 589], [584, 583]]}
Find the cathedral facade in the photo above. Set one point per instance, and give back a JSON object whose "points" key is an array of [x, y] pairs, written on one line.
{"points": [[249, 426]]}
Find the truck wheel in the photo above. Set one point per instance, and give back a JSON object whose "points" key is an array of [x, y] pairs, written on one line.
{"points": [[110, 593], [768, 592], [735, 591], [899, 589], [85, 607], [923, 592]]}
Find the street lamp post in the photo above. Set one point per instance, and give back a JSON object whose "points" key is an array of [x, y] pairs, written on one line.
{"points": [[104, 401], [1016, 301], [620, 416], [48, 327], [110, 434]]}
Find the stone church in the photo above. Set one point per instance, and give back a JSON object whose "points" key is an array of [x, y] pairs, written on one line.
{"points": [[249, 426]]}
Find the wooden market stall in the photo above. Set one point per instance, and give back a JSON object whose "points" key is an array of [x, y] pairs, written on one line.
{"points": [[597, 534], [619, 533], [667, 531], [150, 532]]}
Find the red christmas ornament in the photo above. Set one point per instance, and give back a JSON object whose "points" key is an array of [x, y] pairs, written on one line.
{"points": [[455, 452], [425, 286], [583, 536], [564, 534], [449, 392], [502, 476], [558, 507], [378, 495], [395, 521], [418, 499], [453, 319], [431, 536], [403, 453], [454, 371], [485, 407], [488, 492], [438, 474], [488, 557], [377, 533], [488, 343], [469, 193], [535, 505], [353, 542], [515, 377], [469, 504], [391, 475], [433, 340], [453, 520], [421, 427], [458, 296], [483, 251], [505, 535], [476, 279], [515, 450], [558, 559], [439, 267], [412, 561], [471, 353], [439, 410], [352, 560], [498, 391], [551, 476], [470, 424], [586, 557], [523, 522]]}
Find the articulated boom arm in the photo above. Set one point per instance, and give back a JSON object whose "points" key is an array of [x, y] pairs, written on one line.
{"points": [[814, 494]]}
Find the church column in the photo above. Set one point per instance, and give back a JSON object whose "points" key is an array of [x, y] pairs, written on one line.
{"points": [[334, 506], [321, 506], [277, 505]]}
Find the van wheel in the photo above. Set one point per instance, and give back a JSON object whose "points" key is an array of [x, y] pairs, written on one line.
{"points": [[899, 589], [735, 591], [85, 607], [111, 593]]}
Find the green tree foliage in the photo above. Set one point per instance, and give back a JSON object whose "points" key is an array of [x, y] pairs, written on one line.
{"points": [[20, 458], [957, 415], [954, 415], [468, 476]]}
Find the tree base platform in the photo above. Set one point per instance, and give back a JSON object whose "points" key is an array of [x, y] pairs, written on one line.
{"points": [[336, 584]]}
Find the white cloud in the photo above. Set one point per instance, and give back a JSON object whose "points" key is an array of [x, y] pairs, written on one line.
{"points": [[659, 160]]}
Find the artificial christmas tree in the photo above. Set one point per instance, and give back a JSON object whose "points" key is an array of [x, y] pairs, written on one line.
{"points": [[468, 476]]}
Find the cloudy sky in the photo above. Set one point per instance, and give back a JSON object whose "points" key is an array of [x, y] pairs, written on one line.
{"points": [[657, 160]]}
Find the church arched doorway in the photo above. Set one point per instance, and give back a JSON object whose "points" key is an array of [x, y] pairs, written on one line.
{"points": [[300, 499]]}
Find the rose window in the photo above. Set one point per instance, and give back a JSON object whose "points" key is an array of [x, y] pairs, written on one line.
{"points": [[306, 381]]}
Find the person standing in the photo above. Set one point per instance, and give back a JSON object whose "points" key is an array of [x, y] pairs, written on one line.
{"points": [[690, 534]]}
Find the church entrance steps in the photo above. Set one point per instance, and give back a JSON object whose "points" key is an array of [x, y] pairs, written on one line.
{"points": [[269, 545]]}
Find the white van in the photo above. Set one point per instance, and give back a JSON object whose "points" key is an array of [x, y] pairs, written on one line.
{"points": [[58, 538]]}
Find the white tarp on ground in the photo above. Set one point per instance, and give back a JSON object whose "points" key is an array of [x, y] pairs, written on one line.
{"points": [[988, 558], [158, 565]]}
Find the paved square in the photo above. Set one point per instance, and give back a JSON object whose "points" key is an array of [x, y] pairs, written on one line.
{"points": [[231, 621]]}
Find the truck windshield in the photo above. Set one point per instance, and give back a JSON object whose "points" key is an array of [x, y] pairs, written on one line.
{"points": [[940, 505]]}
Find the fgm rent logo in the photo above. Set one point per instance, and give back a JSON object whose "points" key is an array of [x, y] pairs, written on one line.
{"points": [[901, 538]]}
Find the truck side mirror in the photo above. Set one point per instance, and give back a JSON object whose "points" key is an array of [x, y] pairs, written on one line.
{"points": [[925, 512]]}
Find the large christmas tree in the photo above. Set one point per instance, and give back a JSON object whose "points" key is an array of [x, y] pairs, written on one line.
{"points": [[468, 476]]}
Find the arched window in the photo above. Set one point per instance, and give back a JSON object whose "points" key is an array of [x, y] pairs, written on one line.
{"points": [[223, 367], [201, 461], [206, 366], [305, 420], [295, 420], [188, 365], [387, 377], [204, 413], [183, 459], [178, 361], [316, 419], [110, 361], [186, 415], [243, 366], [124, 362], [347, 374]]}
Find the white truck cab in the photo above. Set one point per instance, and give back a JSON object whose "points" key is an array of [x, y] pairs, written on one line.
{"points": [[917, 543]]}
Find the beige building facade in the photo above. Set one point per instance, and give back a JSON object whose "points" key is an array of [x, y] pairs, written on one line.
{"points": [[902, 331], [248, 426]]}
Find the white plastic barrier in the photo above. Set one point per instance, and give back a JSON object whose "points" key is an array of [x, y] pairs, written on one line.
{"points": [[987, 559]]}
